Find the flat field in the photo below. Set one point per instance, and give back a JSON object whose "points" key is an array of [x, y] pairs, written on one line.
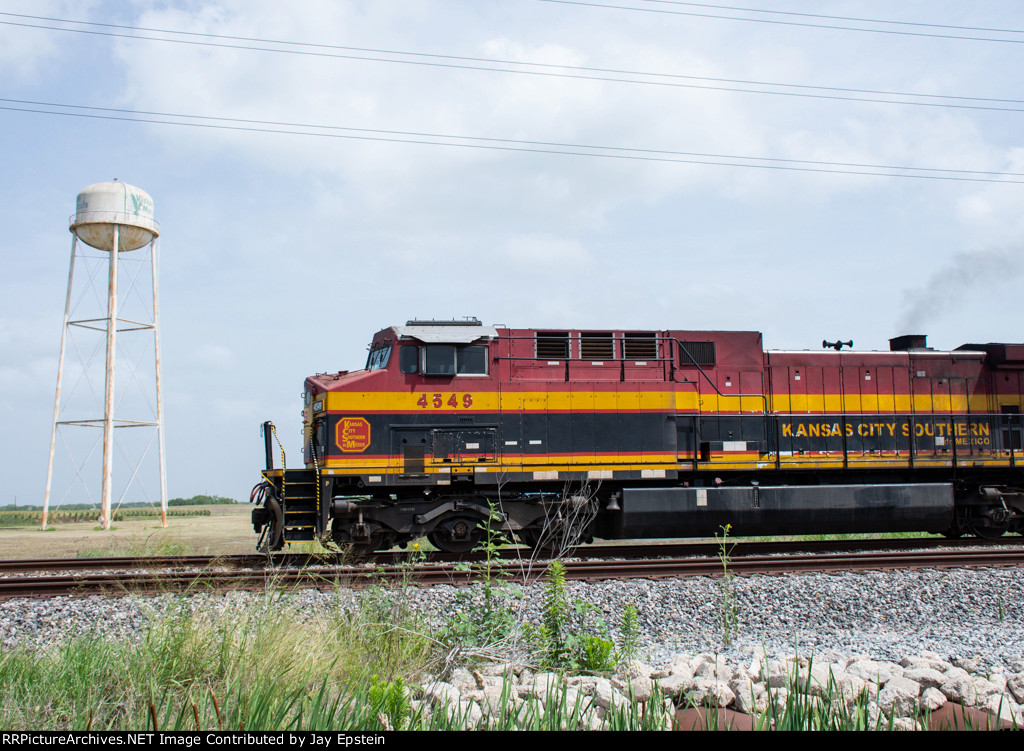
{"points": [[226, 530]]}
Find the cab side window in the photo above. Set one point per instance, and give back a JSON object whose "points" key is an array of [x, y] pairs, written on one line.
{"points": [[471, 360], [409, 358], [439, 359], [451, 359]]}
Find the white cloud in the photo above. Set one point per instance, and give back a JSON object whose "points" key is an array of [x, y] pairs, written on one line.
{"points": [[29, 54]]}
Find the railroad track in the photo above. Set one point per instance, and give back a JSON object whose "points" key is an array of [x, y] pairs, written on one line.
{"points": [[598, 551], [321, 576]]}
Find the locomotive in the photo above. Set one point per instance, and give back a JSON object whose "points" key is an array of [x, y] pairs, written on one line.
{"points": [[561, 436]]}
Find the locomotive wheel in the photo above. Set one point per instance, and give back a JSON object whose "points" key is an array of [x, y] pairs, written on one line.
{"points": [[275, 527], [460, 536], [452, 546], [988, 532], [986, 528]]}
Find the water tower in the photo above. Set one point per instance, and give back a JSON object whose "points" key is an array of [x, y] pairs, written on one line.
{"points": [[115, 219]]}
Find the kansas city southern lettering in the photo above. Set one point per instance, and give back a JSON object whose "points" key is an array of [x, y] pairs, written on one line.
{"points": [[980, 433]]}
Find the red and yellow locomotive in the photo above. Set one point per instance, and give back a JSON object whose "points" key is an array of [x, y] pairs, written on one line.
{"points": [[572, 434]]}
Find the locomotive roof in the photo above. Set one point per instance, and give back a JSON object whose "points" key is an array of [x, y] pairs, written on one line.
{"points": [[433, 334]]}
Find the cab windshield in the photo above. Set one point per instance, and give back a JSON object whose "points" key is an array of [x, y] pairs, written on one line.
{"points": [[378, 358]]}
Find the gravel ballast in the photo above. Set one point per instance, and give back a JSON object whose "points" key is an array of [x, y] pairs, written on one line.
{"points": [[963, 613]]}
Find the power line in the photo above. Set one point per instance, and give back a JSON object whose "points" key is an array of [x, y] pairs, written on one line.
{"points": [[837, 18], [779, 22], [507, 144], [540, 69]]}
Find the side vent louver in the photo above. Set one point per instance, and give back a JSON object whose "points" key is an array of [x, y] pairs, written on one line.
{"points": [[703, 353], [553, 345], [640, 347]]}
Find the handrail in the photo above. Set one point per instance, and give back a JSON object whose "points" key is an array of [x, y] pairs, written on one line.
{"points": [[762, 395]]}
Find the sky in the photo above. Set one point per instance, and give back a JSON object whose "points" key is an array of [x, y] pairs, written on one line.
{"points": [[323, 169]]}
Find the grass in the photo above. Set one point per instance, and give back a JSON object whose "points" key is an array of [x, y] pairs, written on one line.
{"points": [[225, 531], [35, 518], [262, 666], [840, 536], [151, 545]]}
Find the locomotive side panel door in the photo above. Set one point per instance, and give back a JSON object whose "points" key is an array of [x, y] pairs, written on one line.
{"points": [[1011, 430], [534, 443], [868, 380], [959, 428], [582, 432], [942, 406], [410, 447], [686, 399], [510, 418], [886, 427], [686, 440], [657, 434], [982, 427], [1006, 389], [628, 436], [824, 429], [923, 429], [752, 409], [783, 408], [902, 378], [790, 385], [853, 408], [832, 407]]}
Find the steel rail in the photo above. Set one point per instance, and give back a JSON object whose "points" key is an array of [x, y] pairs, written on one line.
{"points": [[427, 574], [674, 549]]}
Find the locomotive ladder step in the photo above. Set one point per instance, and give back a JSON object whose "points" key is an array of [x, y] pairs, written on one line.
{"points": [[299, 533], [303, 504]]}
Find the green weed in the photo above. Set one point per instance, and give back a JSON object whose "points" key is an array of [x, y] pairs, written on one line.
{"points": [[477, 629], [629, 634], [728, 612]]}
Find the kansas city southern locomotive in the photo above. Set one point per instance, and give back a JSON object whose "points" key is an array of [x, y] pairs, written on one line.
{"points": [[559, 436]]}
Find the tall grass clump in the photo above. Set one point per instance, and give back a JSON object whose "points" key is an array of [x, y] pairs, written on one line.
{"points": [[261, 666], [804, 706], [383, 638]]}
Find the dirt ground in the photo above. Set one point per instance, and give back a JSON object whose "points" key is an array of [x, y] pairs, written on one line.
{"points": [[226, 530]]}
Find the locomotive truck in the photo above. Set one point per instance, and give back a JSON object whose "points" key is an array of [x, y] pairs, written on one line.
{"points": [[559, 435]]}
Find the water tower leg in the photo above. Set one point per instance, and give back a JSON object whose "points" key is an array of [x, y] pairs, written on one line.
{"points": [[159, 393], [108, 398], [60, 376]]}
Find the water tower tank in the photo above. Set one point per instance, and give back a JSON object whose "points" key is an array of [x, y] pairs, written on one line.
{"points": [[103, 205]]}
